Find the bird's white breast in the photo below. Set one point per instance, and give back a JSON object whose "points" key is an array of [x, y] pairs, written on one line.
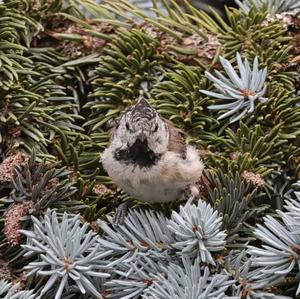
{"points": [[162, 182]]}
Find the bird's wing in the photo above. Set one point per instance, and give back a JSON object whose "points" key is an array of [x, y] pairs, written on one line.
{"points": [[176, 140]]}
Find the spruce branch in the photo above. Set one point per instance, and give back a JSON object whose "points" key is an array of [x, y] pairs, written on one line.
{"points": [[232, 197], [178, 98], [131, 66], [43, 185], [178, 32], [197, 230], [280, 251], [12, 291], [143, 232], [36, 110], [12, 34], [251, 283], [69, 249], [189, 281], [240, 90], [134, 277], [251, 147], [272, 6]]}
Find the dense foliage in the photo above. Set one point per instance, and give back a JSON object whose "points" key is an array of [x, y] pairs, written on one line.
{"points": [[231, 82]]}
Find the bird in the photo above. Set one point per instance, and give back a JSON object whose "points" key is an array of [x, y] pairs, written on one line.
{"points": [[148, 158]]}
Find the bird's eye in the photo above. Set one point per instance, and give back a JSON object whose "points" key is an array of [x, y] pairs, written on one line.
{"points": [[127, 126], [155, 129]]}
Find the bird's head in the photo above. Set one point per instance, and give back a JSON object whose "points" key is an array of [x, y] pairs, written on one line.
{"points": [[142, 130]]}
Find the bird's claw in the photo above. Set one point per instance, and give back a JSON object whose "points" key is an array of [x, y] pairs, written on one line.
{"points": [[121, 213], [192, 191]]}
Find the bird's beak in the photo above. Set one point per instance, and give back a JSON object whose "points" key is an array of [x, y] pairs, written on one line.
{"points": [[140, 146], [142, 137]]}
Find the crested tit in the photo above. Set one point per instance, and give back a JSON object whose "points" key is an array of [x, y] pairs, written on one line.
{"points": [[148, 158]]}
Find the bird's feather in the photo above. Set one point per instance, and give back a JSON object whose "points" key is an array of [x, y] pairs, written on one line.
{"points": [[176, 140]]}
